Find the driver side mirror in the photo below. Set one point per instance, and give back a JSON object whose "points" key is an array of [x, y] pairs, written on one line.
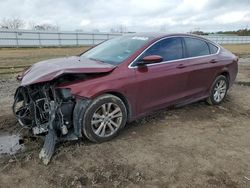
{"points": [[150, 59]]}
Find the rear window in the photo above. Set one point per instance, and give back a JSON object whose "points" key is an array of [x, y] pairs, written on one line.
{"points": [[213, 48], [196, 47]]}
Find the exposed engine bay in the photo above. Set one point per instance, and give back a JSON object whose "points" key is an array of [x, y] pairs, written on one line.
{"points": [[37, 105], [48, 111], [52, 111]]}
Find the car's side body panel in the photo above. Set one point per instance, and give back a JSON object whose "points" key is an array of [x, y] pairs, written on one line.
{"points": [[159, 85], [120, 81]]}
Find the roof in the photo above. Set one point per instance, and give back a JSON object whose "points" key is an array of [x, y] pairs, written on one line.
{"points": [[157, 35]]}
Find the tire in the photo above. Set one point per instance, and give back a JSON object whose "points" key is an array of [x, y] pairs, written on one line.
{"points": [[215, 99], [104, 118]]}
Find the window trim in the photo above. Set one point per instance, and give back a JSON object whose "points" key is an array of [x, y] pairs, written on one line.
{"points": [[131, 66]]}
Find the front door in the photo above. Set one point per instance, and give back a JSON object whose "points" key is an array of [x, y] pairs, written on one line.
{"points": [[161, 84]]}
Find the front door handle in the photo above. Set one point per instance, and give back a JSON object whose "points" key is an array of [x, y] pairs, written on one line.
{"points": [[180, 66], [213, 61]]}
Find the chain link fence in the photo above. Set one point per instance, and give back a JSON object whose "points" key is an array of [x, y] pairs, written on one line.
{"points": [[29, 38], [23, 38], [224, 39]]}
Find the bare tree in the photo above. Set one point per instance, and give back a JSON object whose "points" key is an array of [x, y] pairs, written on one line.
{"points": [[119, 29], [31, 25], [12, 23], [112, 30], [122, 28], [78, 30], [46, 27]]}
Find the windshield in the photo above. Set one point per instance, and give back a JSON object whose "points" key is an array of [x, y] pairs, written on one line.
{"points": [[116, 50]]}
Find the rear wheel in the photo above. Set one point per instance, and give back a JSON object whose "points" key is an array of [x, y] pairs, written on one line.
{"points": [[218, 91], [104, 118]]}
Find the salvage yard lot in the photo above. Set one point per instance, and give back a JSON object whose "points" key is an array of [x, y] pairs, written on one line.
{"points": [[28, 56], [194, 146]]}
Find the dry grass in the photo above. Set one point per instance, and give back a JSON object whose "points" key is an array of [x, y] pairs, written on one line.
{"points": [[27, 56], [241, 50], [23, 57]]}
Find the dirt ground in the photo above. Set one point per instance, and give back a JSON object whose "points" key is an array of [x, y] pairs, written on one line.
{"points": [[194, 146]]}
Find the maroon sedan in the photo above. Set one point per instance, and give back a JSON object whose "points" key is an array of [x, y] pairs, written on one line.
{"points": [[97, 92]]}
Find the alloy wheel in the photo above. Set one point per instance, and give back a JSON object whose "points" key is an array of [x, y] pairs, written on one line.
{"points": [[106, 120], [220, 90]]}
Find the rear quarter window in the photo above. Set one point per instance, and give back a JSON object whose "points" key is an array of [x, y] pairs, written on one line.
{"points": [[213, 48], [196, 47]]}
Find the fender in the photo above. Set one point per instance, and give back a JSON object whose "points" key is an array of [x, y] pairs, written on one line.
{"points": [[121, 84]]}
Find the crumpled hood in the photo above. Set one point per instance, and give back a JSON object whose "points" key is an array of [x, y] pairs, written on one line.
{"points": [[50, 69]]}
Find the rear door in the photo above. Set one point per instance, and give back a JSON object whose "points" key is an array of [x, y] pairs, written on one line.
{"points": [[201, 62], [164, 83]]}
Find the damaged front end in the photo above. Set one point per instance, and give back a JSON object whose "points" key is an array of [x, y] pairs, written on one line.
{"points": [[37, 106], [47, 111]]}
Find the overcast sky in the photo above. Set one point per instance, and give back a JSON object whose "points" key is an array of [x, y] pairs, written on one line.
{"points": [[136, 15]]}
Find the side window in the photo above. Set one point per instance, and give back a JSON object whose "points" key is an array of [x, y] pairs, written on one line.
{"points": [[196, 47], [213, 48], [169, 49]]}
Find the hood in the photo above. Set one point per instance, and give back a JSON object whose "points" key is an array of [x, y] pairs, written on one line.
{"points": [[50, 69]]}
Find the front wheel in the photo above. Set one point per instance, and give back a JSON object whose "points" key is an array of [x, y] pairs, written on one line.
{"points": [[104, 118], [218, 91]]}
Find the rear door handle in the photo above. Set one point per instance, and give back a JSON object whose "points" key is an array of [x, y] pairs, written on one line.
{"points": [[213, 61], [180, 66]]}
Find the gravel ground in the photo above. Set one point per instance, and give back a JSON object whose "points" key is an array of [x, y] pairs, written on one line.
{"points": [[194, 146]]}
